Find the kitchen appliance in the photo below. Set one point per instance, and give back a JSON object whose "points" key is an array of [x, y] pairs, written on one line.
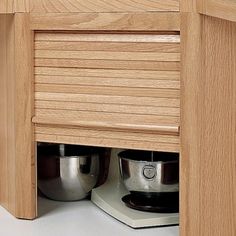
{"points": [[69, 172], [109, 198], [152, 178]]}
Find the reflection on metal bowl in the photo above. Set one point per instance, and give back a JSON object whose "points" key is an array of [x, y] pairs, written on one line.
{"points": [[68, 172], [150, 173]]}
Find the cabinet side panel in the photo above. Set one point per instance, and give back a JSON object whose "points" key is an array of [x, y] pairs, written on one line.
{"points": [[25, 156], [7, 138], [190, 133], [208, 198]]}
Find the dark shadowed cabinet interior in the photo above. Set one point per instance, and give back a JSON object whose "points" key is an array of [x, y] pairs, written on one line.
{"points": [[147, 75]]}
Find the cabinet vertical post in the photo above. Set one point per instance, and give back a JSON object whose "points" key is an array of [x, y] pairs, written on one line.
{"points": [[17, 157]]}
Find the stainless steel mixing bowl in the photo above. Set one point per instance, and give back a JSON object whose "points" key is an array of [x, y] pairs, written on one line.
{"points": [[67, 172], [150, 173]]}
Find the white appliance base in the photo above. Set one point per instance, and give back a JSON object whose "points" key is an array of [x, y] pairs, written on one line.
{"points": [[108, 198]]}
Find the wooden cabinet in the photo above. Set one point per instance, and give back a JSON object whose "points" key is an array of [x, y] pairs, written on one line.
{"points": [[116, 74]]}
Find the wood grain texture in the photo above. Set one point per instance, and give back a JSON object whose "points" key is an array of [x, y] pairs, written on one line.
{"points": [[7, 137], [208, 127], [107, 138], [6, 6], [14, 6], [58, 6], [188, 5], [21, 6], [111, 87], [18, 191], [165, 21], [131, 89], [225, 9], [26, 206]]}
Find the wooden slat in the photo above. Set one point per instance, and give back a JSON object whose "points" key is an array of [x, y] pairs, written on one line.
{"points": [[107, 119], [103, 6], [106, 99], [107, 38], [102, 90], [160, 127], [108, 64], [165, 21], [108, 46], [108, 134], [101, 55], [114, 108], [113, 82], [116, 143], [108, 73]]}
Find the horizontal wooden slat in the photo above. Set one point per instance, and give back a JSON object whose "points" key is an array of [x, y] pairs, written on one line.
{"points": [[161, 21], [107, 119], [107, 73], [106, 99], [112, 91], [113, 82], [99, 55], [108, 64], [106, 142], [96, 133], [106, 38], [103, 6], [161, 126], [114, 108], [108, 46]]}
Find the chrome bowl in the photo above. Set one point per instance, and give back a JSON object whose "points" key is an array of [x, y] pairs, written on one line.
{"points": [[150, 173], [67, 172]]}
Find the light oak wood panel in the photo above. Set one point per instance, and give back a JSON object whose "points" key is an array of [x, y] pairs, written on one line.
{"points": [[165, 21], [104, 55], [103, 6], [107, 99], [95, 133], [26, 206], [21, 6], [225, 9], [208, 127], [115, 143], [130, 91], [104, 37], [13, 6], [107, 73], [112, 82], [112, 91], [6, 6], [163, 128], [7, 140], [107, 117], [114, 108], [17, 160], [112, 138], [108, 64], [109, 46], [188, 5]]}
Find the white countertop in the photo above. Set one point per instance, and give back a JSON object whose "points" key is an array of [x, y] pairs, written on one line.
{"points": [[75, 218]]}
